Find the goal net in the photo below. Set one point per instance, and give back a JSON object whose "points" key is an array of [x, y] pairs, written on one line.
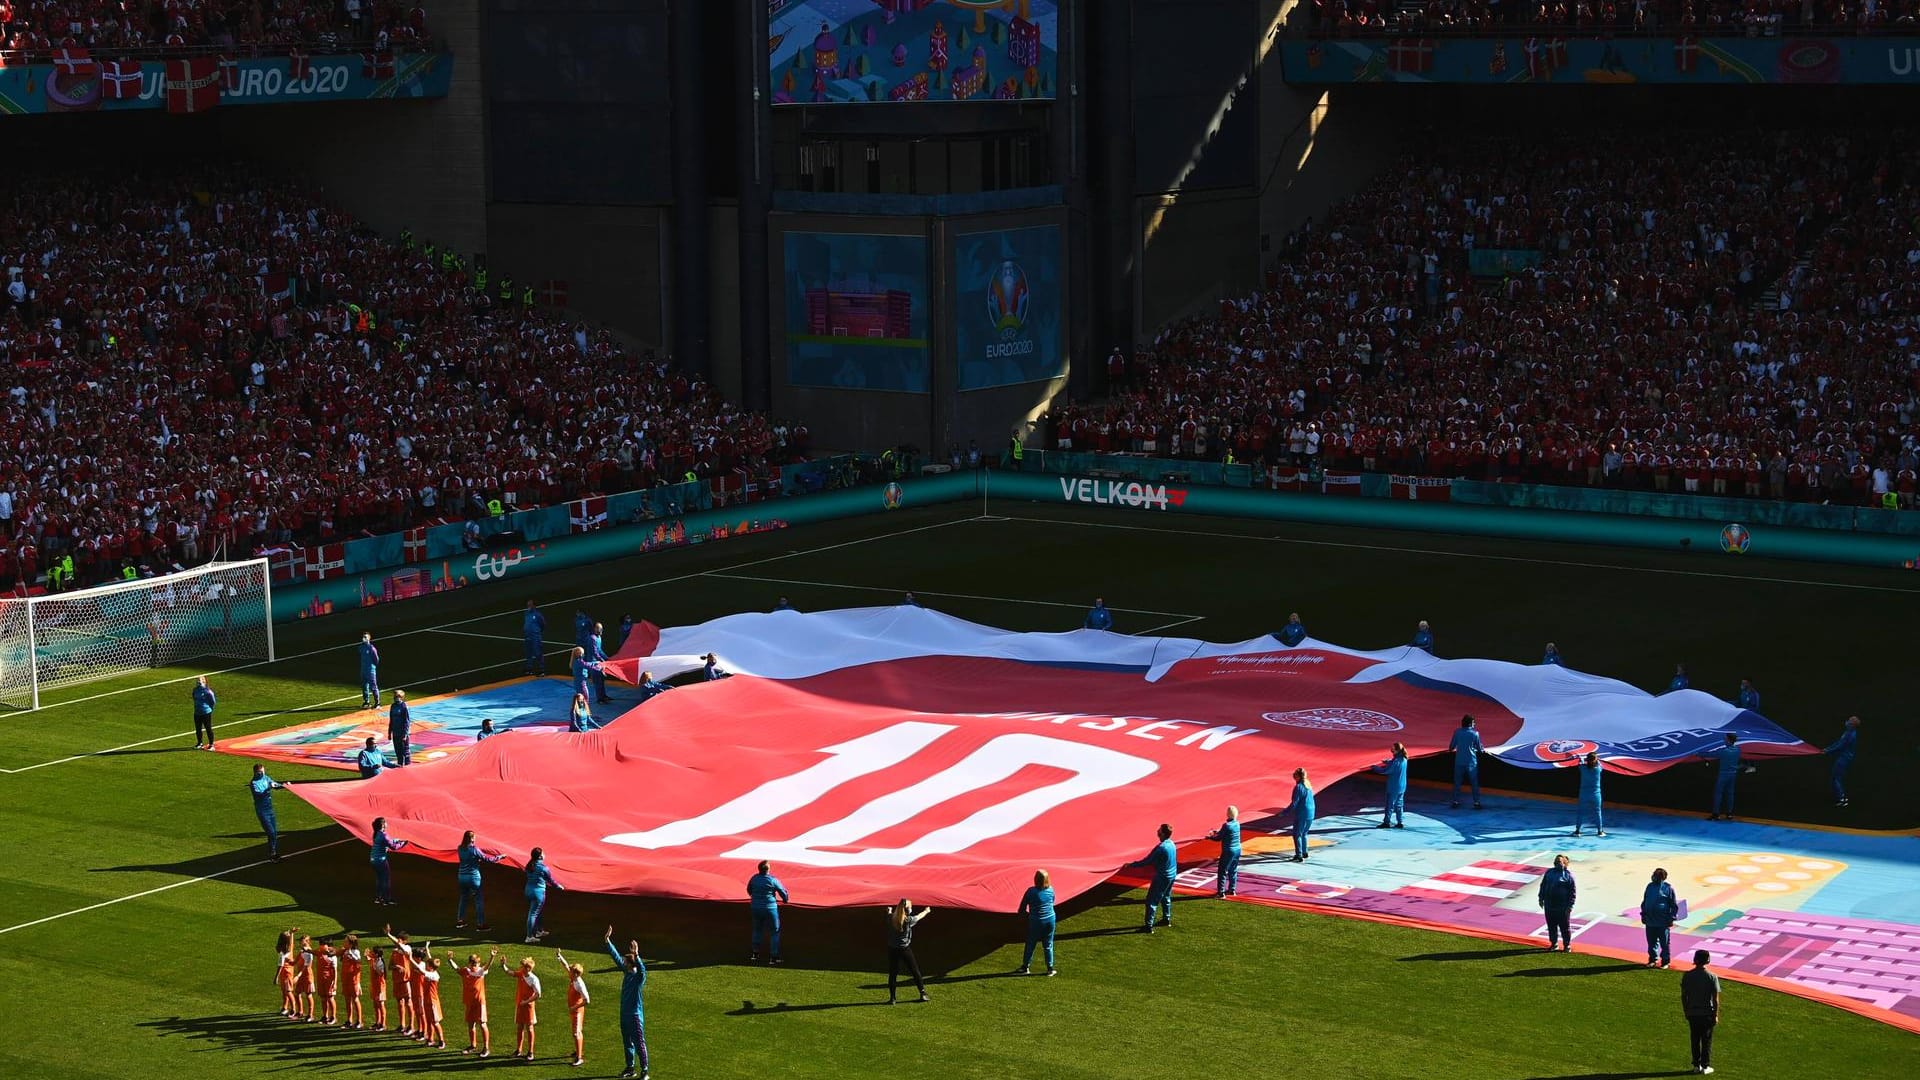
{"points": [[221, 609]]}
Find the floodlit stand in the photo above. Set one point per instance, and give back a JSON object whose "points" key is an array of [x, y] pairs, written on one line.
{"points": [[220, 609]]}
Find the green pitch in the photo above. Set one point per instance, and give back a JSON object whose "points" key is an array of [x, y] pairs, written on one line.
{"points": [[136, 918]]}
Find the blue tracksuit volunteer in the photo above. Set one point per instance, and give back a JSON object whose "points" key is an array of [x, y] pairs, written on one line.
{"points": [[1467, 748], [1395, 770], [651, 687], [1842, 751], [1423, 636], [765, 894], [1552, 655], [1227, 882], [597, 656], [533, 627], [1037, 905], [582, 674], [1679, 680], [1728, 757], [370, 760], [622, 632], [468, 877], [582, 628], [710, 668], [539, 879], [1557, 895], [262, 786], [1164, 861], [369, 672], [1099, 618], [1589, 805], [633, 1010], [1748, 698], [382, 867], [400, 728], [580, 717], [203, 703], [1658, 909], [1302, 809], [1294, 632]]}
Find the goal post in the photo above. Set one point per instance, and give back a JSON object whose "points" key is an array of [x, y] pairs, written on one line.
{"points": [[222, 609]]}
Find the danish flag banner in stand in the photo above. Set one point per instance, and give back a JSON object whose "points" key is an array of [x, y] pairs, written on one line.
{"points": [[885, 752]]}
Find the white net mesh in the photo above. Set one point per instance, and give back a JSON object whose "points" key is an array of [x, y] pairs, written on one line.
{"points": [[55, 641]]}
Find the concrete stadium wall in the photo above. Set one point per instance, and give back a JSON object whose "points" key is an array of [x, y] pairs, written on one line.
{"points": [[611, 257]]}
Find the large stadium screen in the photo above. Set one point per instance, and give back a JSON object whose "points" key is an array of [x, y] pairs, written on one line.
{"points": [[857, 311], [826, 52], [1007, 315]]}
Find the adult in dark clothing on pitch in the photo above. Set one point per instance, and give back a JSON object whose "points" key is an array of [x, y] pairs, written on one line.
{"points": [[901, 919]]}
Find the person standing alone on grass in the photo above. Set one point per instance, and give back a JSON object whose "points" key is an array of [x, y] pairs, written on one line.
{"points": [[901, 919], [1395, 770], [1557, 894], [369, 672], [400, 729], [533, 626], [1841, 749], [1658, 908], [1037, 906], [538, 879], [1227, 881], [1099, 618], [203, 702], [633, 1006], [765, 894], [468, 877], [1466, 747], [382, 867], [262, 786], [1589, 804], [1164, 861], [1728, 758], [1700, 1002]]}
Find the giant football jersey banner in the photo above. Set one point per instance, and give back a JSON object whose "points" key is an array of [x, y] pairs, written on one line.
{"points": [[885, 752]]}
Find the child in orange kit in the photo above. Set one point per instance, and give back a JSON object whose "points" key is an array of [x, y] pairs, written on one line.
{"points": [[430, 1001], [526, 995], [350, 966], [473, 996], [377, 974], [283, 971], [402, 957], [326, 972], [303, 979], [577, 1000]]}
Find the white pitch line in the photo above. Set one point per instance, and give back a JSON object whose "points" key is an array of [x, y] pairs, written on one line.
{"points": [[175, 885], [1461, 554], [1167, 626], [496, 637], [443, 627], [943, 595]]}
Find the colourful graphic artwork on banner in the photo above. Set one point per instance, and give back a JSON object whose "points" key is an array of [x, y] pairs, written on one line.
{"points": [[1558, 59], [80, 82], [1007, 318], [881, 752], [857, 311], [860, 51], [1819, 913]]}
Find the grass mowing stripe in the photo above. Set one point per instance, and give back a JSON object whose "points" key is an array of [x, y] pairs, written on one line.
{"points": [[942, 595]]}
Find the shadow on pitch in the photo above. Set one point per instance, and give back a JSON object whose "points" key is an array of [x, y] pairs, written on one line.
{"points": [[1470, 954], [1559, 972], [1618, 1075], [311, 1047], [748, 1008]]}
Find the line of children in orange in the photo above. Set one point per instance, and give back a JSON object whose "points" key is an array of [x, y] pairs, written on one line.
{"points": [[473, 996], [526, 994], [577, 1000]]}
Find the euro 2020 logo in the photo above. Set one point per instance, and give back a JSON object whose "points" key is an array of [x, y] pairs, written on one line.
{"points": [[1735, 538], [1008, 298], [891, 495]]}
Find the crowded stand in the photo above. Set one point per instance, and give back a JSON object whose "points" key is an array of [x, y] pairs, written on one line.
{"points": [[222, 361], [37, 30], [1741, 18], [1714, 314]]}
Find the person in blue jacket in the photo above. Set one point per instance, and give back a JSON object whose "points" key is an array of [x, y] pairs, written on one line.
{"points": [[580, 716], [1557, 895], [1658, 909], [468, 877], [203, 703], [486, 731], [1842, 751], [1098, 617], [1552, 656], [651, 687], [369, 672], [370, 760], [1294, 632], [263, 786], [1589, 804], [1164, 861], [539, 879], [910, 600], [1748, 697], [400, 729], [1395, 770], [1423, 636], [596, 657], [1679, 680], [581, 669], [710, 669], [765, 894], [382, 866], [633, 1009], [1728, 758], [1302, 809], [622, 632], [1037, 905], [1467, 748], [582, 627], [1227, 881], [783, 604], [533, 627]]}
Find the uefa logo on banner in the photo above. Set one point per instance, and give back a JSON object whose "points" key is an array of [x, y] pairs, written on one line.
{"points": [[1008, 298], [1355, 720], [891, 496], [1734, 538]]}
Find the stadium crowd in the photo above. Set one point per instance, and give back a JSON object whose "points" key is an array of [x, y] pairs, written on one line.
{"points": [[32, 27], [219, 358], [1723, 314], [1751, 18]]}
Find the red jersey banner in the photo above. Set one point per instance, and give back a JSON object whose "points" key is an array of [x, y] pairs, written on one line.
{"points": [[887, 752]]}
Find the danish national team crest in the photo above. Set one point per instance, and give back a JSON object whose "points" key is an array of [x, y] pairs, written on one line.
{"points": [[885, 752]]}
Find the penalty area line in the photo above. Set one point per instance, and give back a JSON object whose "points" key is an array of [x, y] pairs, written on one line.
{"points": [[174, 885]]}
